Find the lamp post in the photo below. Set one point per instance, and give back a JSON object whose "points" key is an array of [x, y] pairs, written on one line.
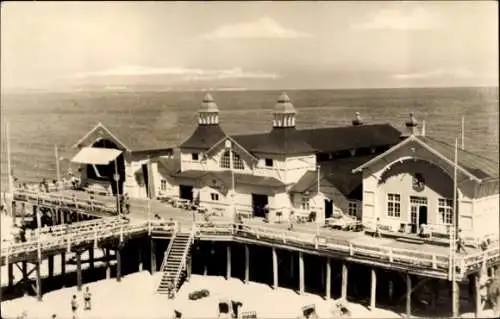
{"points": [[317, 224], [229, 147], [116, 177]]}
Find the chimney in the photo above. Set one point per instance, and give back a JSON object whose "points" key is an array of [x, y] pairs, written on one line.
{"points": [[357, 120], [411, 127]]}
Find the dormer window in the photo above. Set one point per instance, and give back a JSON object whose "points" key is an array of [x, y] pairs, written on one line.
{"points": [[226, 161], [269, 162], [195, 156]]}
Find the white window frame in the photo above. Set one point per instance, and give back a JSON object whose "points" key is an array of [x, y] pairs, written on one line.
{"points": [[163, 184], [225, 161], [352, 208], [214, 196], [305, 202], [445, 211], [393, 207]]}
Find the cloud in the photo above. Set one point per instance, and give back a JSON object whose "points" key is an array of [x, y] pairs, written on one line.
{"points": [[265, 27], [184, 73], [439, 73], [406, 19]]}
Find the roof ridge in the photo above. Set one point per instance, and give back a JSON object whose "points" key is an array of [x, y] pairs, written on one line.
{"points": [[462, 150]]}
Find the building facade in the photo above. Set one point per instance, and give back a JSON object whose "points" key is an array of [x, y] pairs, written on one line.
{"points": [[370, 171]]}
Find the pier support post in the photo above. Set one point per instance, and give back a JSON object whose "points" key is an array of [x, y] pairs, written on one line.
{"points": [[108, 266], [63, 267], [373, 294], [228, 261], [435, 294], [328, 279], [247, 264], [24, 267], [477, 295], [301, 273], [54, 216], [51, 266], [38, 282], [455, 298], [390, 289], [118, 253], [139, 256], [275, 268], [292, 268], [79, 271], [153, 255], [91, 257], [10, 270], [408, 296], [344, 281]]}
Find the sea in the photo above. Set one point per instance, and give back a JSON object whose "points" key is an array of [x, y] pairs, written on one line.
{"points": [[40, 120]]}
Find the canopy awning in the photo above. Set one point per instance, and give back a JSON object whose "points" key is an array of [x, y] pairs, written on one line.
{"points": [[96, 156]]}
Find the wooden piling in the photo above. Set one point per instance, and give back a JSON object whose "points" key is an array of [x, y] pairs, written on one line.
{"points": [[38, 282], [139, 257], [228, 261], [301, 273], [63, 267], [328, 283], [79, 271], [455, 298], [275, 268], [435, 294], [344, 281], [153, 255], [24, 267], [50, 261], [118, 253], [108, 266], [408, 295], [10, 271], [390, 288], [247, 264], [13, 212], [91, 257], [373, 294]]}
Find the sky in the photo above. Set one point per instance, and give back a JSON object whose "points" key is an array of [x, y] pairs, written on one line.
{"points": [[301, 45]]}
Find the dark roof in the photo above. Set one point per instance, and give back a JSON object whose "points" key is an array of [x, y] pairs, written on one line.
{"points": [[479, 166], [277, 141], [351, 137], [204, 137], [337, 174], [170, 165], [136, 138], [239, 178]]}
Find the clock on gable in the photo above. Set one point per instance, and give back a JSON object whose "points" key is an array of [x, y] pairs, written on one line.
{"points": [[418, 182]]}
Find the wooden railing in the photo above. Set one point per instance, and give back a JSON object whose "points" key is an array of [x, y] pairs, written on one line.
{"points": [[54, 200]]}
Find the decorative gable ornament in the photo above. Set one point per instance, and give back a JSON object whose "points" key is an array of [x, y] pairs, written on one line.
{"points": [[418, 182]]}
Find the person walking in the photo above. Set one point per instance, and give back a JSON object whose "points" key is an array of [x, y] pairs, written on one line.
{"points": [[377, 229], [86, 299], [460, 243], [74, 306], [290, 220]]}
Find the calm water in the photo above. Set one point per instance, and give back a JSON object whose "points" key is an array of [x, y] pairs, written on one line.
{"points": [[39, 121]]}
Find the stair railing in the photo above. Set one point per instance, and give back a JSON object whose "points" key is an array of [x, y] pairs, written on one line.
{"points": [[169, 248], [183, 260]]}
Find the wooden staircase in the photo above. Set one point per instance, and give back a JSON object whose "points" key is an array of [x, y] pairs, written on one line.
{"points": [[173, 266]]}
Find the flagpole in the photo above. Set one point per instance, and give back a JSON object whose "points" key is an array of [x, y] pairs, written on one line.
{"points": [[149, 188], [454, 234], [58, 172], [463, 132], [10, 182], [117, 178]]}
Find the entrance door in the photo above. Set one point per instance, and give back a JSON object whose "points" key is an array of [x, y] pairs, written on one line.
{"points": [[186, 192], [418, 212], [328, 208], [146, 178], [258, 204]]}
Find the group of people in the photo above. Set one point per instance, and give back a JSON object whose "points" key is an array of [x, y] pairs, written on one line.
{"points": [[87, 303]]}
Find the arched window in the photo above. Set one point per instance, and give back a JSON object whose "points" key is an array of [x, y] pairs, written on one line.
{"points": [[226, 161]]}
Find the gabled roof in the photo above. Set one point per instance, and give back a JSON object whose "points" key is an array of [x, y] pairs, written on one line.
{"points": [[476, 167], [204, 137], [130, 138], [171, 165], [277, 141], [236, 147], [334, 139], [336, 173], [247, 179]]}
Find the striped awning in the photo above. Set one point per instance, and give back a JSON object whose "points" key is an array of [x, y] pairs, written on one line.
{"points": [[96, 156]]}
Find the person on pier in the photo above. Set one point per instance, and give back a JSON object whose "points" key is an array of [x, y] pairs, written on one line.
{"points": [[74, 306], [460, 243], [377, 234], [87, 299], [290, 220]]}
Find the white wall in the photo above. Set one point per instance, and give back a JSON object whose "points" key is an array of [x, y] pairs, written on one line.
{"points": [[486, 215]]}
